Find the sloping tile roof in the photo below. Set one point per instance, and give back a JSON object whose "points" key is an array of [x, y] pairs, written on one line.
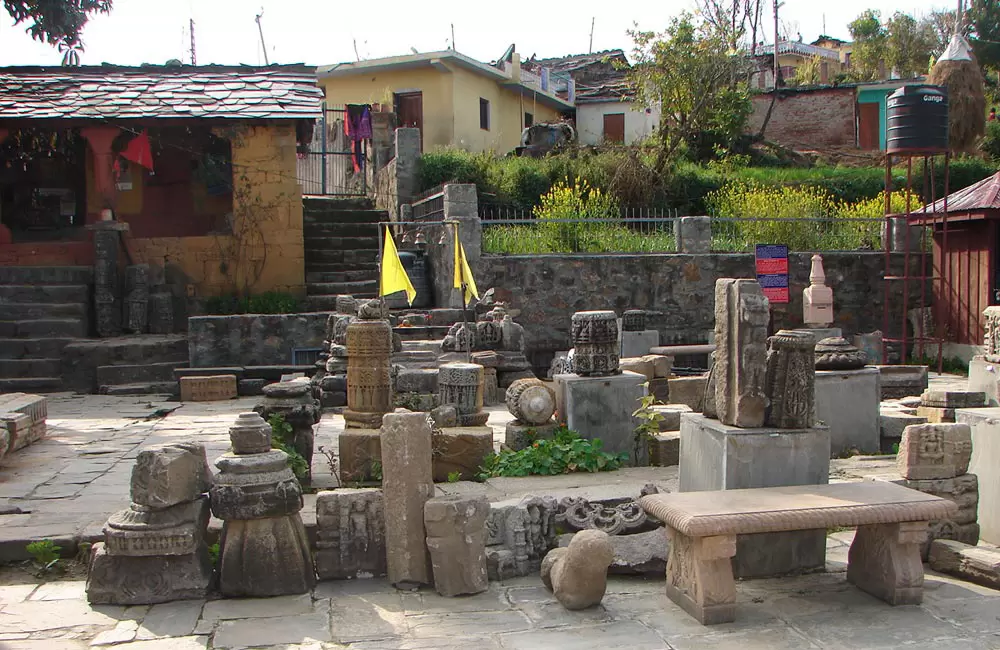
{"points": [[576, 61], [116, 92], [984, 195]]}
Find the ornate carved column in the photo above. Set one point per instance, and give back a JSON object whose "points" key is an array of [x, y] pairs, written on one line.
{"points": [[595, 340], [461, 385], [791, 377], [369, 391]]}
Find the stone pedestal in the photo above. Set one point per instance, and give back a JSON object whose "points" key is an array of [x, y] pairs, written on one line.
{"points": [[369, 390], [407, 485], [602, 407], [984, 376], [517, 436], [461, 385], [820, 333], [263, 550], [897, 382], [360, 454], [350, 534], [456, 539], [293, 401], [462, 450], [985, 463], [715, 456], [847, 404], [637, 344]]}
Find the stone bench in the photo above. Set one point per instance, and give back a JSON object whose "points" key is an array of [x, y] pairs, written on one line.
{"points": [[884, 558]]}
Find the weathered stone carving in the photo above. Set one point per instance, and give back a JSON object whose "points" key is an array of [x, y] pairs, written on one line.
{"points": [[739, 373], [991, 335], [136, 298], [518, 535], [369, 388], [461, 337], [963, 490], [107, 283], [456, 539], [346, 304], [934, 451], [530, 401], [578, 573], [293, 401], [374, 309], [161, 312], [461, 384], [835, 353], [634, 320], [154, 551], [407, 485], [350, 534], [817, 298], [577, 513], [595, 341], [263, 550], [791, 378]]}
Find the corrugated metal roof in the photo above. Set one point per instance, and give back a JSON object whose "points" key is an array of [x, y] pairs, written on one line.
{"points": [[984, 195], [116, 92]]}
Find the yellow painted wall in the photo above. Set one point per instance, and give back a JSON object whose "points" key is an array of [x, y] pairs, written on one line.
{"points": [[506, 113], [378, 88], [267, 245]]}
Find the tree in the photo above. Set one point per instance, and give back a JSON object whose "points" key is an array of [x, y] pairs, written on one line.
{"points": [[809, 73], [940, 27], [700, 87], [908, 45], [869, 50], [733, 21], [984, 20], [56, 22]]}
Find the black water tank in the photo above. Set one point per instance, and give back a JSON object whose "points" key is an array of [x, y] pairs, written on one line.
{"points": [[415, 266], [917, 120]]}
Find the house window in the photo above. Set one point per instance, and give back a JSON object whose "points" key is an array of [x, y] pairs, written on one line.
{"points": [[529, 119], [484, 114]]}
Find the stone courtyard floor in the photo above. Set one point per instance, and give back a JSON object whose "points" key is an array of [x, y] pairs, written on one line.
{"points": [[64, 488]]}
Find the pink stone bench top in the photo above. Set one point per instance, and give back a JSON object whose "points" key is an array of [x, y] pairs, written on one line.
{"points": [[803, 507]]}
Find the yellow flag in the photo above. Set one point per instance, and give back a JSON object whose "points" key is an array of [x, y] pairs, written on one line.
{"points": [[393, 277], [463, 272]]}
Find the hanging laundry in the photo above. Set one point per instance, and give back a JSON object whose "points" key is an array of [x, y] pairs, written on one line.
{"points": [[358, 125]]}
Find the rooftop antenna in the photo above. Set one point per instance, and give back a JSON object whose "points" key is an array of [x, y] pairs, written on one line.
{"points": [[590, 50], [824, 24], [261, 30], [356, 55], [453, 38], [194, 59]]}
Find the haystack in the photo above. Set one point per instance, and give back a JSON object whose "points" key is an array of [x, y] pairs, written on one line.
{"points": [[958, 71]]}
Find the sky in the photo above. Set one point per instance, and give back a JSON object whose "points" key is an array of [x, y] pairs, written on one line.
{"points": [[319, 32]]}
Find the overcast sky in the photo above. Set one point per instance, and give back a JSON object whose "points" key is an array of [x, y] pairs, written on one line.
{"points": [[321, 32]]}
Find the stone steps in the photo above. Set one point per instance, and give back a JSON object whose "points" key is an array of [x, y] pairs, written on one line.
{"points": [[142, 388], [35, 310], [33, 348], [320, 229], [422, 332], [326, 203], [31, 385], [360, 275], [356, 288], [342, 267], [44, 293], [30, 368], [347, 257], [329, 302], [341, 243], [74, 275], [44, 327], [161, 371]]}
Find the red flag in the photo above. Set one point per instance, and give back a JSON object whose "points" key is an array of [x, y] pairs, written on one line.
{"points": [[138, 151]]}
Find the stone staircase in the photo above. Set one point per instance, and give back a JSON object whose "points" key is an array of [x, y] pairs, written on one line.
{"points": [[341, 250], [127, 365], [42, 310]]}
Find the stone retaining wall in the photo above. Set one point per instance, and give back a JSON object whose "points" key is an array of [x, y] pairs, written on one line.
{"points": [[252, 339]]}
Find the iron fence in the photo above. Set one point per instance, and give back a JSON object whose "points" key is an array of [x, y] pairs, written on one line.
{"points": [[334, 165]]}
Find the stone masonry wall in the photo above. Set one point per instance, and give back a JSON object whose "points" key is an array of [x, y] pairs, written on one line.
{"points": [[252, 339], [807, 119], [678, 288]]}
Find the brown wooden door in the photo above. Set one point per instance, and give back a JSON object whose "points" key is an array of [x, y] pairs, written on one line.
{"points": [[868, 126], [410, 110], [614, 127]]}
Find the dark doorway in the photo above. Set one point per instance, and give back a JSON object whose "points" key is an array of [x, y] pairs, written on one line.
{"points": [[410, 111], [614, 127], [868, 126]]}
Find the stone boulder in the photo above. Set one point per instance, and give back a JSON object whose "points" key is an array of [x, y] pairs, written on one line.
{"points": [[578, 574]]}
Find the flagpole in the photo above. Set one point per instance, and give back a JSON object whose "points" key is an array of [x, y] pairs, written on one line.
{"points": [[461, 274], [378, 263]]}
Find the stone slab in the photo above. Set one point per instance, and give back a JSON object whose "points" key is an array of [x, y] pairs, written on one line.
{"points": [[984, 377], [891, 425], [636, 554], [715, 456], [637, 344], [665, 449], [847, 402], [985, 463], [208, 389], [689, 391], [671, 415], [980, 565], [936, 414], [462, 450], [953, 398], [820, 333], [360, 450], [896, 382], [602, 407]]}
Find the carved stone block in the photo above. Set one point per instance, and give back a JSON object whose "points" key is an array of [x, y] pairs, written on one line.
{"points": [[963, 490], [531, 401], [790, 380], [127, 580], [519, 534], [170, 474], [461, 385], [595, 341], [741, 317], [350, 534], [369, 388], [884, 560], [991, 335], [461, 449], [933, 451], [456, 539], [265, 557], [139, 531], [208, 389]]}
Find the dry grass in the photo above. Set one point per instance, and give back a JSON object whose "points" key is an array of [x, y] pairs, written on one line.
{"points": [[966, 102]]}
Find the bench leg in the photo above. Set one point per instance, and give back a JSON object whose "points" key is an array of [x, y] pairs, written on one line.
{"points": [[700, 576], [884, 560]]}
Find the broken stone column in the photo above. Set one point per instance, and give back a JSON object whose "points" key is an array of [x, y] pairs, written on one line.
{"points": [[456, 539], [369, 387], [264, 550], [939, 405], [790, 380], [595, 341], [293, 401], [739, 373], [406, 485], [532, 403], [461, 385], [136, 298], [817, 298], [633, 320], [578, 573], [107, 280], [350, 534], [154, 551]]}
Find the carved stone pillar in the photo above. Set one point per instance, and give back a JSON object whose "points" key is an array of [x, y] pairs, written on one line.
{"points": [[137, 298], [634, 320], [369, 390], [991, 337], [100, 139], [461, 385], [791, 378], [107, 279], [741, 316], [595, 340]]}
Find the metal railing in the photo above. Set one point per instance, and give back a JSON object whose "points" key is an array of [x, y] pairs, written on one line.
{"points": [[613, 235], [331, 167], [429, 207]]}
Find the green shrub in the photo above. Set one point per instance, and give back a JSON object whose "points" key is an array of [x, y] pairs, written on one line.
{"points": [[991, 143], [566, 452], [45, 555], [269, 302], [281, 432]]}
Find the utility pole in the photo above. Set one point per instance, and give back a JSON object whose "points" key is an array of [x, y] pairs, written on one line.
{"points": [[194, 59], [261, 30], [775, 70], [590, 50]]}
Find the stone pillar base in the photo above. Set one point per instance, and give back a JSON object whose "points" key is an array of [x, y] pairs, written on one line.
{"points": [[460, 449], [847, 402], [128, 580], [358, 420], [519, 436], [602, 407]]}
